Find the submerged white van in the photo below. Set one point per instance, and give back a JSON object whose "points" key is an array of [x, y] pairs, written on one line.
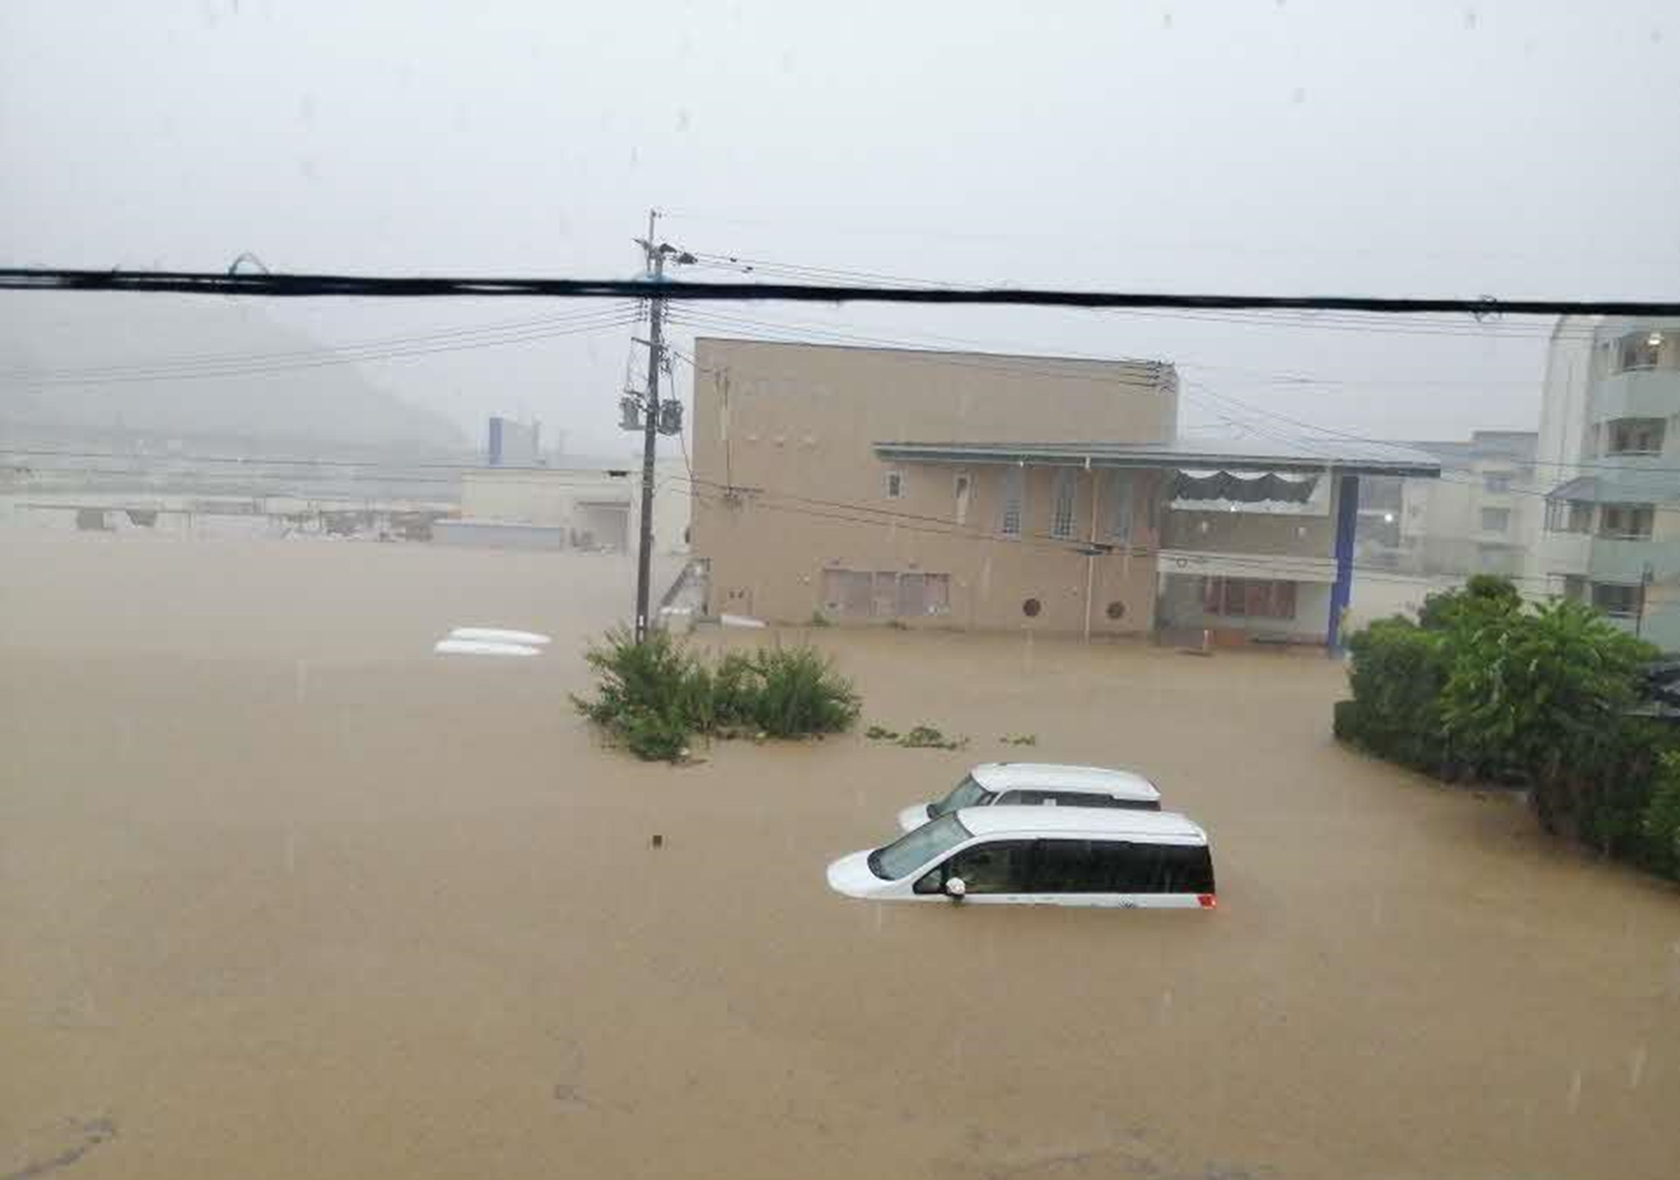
{"points": [[1039, 856], [1038, 784]]}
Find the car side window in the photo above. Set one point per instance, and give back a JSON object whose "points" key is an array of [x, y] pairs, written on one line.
{"points": [[1032, 798], [1085, 799], [1069, 866], [1008, 798], [1000, 866], [1129, 868], [932, 881]]}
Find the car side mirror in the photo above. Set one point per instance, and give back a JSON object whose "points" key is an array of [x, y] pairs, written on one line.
{"points": [[956, 889]]}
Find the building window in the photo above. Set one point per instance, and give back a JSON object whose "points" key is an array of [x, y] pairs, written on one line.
{"points": [[1574, 587], [1014, 495], [1061, 510], [847, 593], [1119, 505], [1496, 520], [895, 484], [963, 484], [1630, 522], [936, 594], [1573, 516], [1496, 482], [1252, 598], [885, 604], [1638, 350], [1615, 598], [859, 594], [1634, 436]]}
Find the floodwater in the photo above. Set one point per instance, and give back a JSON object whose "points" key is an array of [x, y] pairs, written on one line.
{"points": [[284, 895]]}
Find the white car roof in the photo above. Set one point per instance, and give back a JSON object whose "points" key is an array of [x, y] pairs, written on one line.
{"points": [[1166, 827], [1050, 776]]}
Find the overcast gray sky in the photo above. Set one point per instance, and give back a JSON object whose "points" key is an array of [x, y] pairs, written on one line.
{"points": [[1271, 146]]}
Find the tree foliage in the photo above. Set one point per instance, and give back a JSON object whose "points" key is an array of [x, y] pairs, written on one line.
{"points": [[1543, 696]]}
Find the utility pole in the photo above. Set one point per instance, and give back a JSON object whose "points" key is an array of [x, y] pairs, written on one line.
{"points": [[655, 257], [654, 421], [1645, 578]]}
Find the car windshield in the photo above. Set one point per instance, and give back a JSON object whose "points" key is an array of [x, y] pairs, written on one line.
{"points": [[914, 849], [967, 793]]}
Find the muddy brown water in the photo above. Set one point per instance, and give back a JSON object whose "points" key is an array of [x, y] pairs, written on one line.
{"points": [[284, 895]]}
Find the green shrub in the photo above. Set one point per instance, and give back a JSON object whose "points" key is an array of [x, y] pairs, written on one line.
{"points": [[655, 675], [735, 689], [653, 695], [1482, 598], [1540, 696], [1660, 824], [799, 692], [1347, 722], [654, 736], [926, 737], [1397, 673]]}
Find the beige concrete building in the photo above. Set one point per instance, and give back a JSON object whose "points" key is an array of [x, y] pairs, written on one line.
{"points": [[1001, 492], [797, 515]]}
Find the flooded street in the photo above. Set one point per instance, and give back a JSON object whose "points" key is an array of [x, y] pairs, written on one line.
{"points": [[284, 895]]}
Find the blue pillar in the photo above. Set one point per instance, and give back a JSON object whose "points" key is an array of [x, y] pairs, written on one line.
{"points": [[1341, 592]]}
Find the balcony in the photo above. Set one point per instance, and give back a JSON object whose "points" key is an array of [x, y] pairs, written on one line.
{"points": [[1637, 393], [1565, 553], [1618, 559]]}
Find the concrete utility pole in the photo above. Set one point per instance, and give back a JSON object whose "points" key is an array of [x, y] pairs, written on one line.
{"points": [[655, 257], [654, 420]]}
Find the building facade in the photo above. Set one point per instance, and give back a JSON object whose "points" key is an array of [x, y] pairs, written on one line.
{"points": [[797, 515], [1002, 492], [1609, 449], [1483, 512]]}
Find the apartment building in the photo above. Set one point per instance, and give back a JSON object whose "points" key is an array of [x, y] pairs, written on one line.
{"points": [[1483, 511], [1000, 492], [1609, 452]]}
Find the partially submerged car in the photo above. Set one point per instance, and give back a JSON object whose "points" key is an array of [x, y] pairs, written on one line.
{"points": [[1038, 855], [1038, 784]]}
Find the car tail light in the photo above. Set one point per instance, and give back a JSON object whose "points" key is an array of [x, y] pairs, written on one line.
{"points": [[1208, 901]]}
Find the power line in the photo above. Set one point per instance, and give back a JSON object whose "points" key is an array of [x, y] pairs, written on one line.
{"points": [[743, 265], [932, 340], [596, 322], [889, 516], [1633, 468], [1191, 388], [385, 477], [1256, 562], [308, 461], [217, 359], [987, 362], [1421, 324], [293, 286]]}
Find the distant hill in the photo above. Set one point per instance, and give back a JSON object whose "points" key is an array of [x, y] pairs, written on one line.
{"points": [[46, 333]]}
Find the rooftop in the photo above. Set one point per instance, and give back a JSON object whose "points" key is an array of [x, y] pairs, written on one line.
{"points": [[1005, 776], [954, 356], [1164, 826], [1343, 455]]}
